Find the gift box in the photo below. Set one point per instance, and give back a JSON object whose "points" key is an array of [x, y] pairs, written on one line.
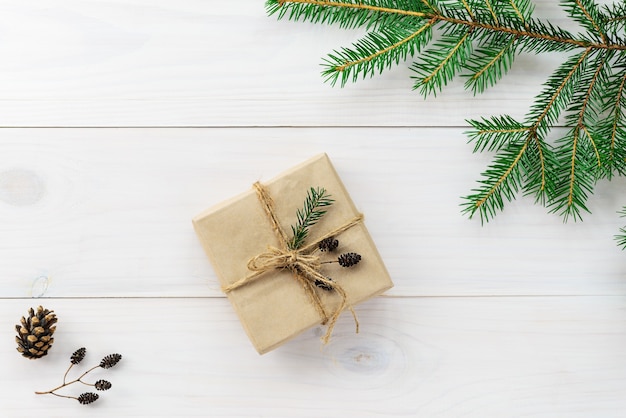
{"points": [[279, 300]]}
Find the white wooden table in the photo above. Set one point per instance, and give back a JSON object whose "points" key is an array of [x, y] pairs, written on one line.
{"points": [[121, 120]]}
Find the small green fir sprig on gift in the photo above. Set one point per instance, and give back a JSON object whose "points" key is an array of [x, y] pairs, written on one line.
{"points": [[316, 199], [311, 213], [100, 385], [479, 40]]}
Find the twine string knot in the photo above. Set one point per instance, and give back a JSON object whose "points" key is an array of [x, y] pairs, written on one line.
{"points": [[275, 258], [303, 264]]}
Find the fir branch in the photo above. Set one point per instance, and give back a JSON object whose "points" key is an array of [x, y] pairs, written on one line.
{"points": [[325, 5], [493, 134], [491, 10], [610, 129], [348, 14], [576, 175], [540, 182], [467, 8], [587, 110], [479, 39], [503, 177], [617, 155], [579, 161], [378, 50], [621, 237], [615, 17], [587, 13], [522, 8], [489, 65], [593, 144], [557, 94], [314, 10], [316, 198], [502, 180], [431, 6], [435, 72], [557, 97]]}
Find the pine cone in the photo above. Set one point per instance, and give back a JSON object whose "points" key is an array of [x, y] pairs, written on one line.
{"points": [[87, 398], [78, 355], [348, 259], [323, 285], [34, 335], [103, 385], [110, 360], [328, 244]]}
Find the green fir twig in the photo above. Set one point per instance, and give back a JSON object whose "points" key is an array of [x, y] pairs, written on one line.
{"points": [[479, 40], [316, 199], [621, 237]]}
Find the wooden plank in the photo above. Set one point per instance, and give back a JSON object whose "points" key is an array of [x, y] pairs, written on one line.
{"points": [[107, 212], [415, 357], [186, 63]]}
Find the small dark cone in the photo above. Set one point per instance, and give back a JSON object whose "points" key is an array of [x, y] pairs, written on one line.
{"points": [[87, 398], [328, 244], [78, 355], [348, 259], [103, 385], [34, 334], [323, 285], [110, 360]]}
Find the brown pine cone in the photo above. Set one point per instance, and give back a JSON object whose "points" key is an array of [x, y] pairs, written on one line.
{"points": [[34, 335], [348, 259], [328, 244], [103, 385], [110, 360], [87, 398], [78, 355], [323, 285]]}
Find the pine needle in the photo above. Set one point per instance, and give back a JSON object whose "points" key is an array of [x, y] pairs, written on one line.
{"points": [[479, 39], [309, 215]]}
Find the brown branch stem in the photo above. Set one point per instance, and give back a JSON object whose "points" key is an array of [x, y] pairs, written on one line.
{"points": [[532, 135], [557, 92], [389, 48], [617, 116], [469, 11], [494, 59], [52, 391], [67, 371], [572, 181], [502, 131], [517, 11], [593, 22], [446, 59], [518, 157], [470, 23], [62, 396], [580, 123], [493, 13]]}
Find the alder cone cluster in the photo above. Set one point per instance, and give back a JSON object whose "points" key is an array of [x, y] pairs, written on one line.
{"points": [[34, 334], [349, 259]]}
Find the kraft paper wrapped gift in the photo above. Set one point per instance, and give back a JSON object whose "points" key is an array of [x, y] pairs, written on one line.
{"points": [[275, 306]]}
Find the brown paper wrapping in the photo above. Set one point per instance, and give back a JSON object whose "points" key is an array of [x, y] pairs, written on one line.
{"points": [[275, 308]]}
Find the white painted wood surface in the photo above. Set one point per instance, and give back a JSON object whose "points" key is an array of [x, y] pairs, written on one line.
{"points": [[120, 121]]}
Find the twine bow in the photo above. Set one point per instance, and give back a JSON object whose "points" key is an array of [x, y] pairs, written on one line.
{"points": [[304, 265]]}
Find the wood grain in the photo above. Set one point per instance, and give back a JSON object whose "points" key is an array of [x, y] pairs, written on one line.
{"points": [[107, 212], [193, 63], [430, 357], [121, 120]]}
